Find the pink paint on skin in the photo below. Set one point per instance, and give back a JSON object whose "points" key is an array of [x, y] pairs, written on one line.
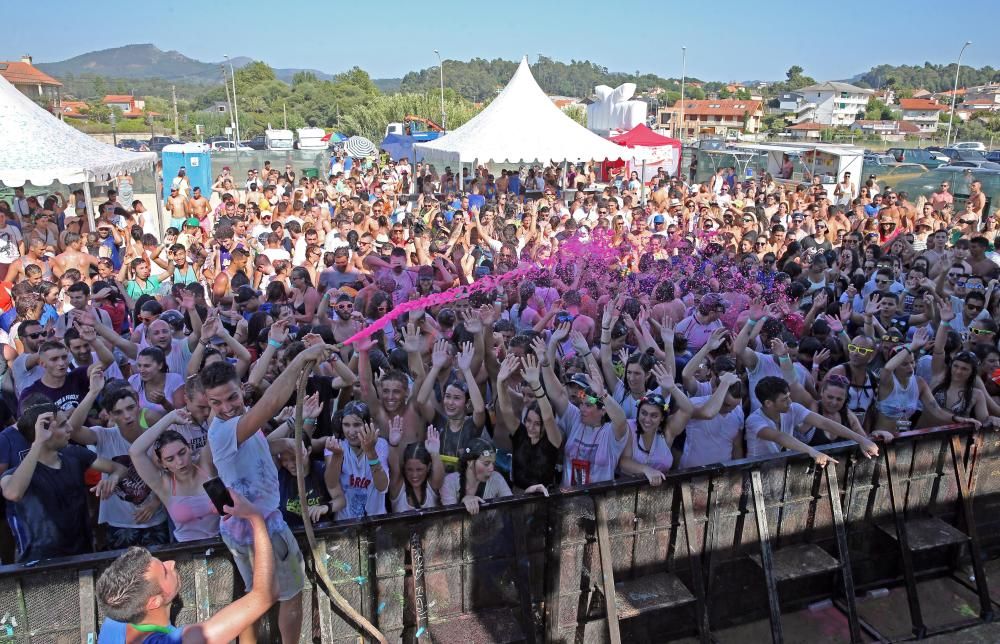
{"points": [[607, 272]]}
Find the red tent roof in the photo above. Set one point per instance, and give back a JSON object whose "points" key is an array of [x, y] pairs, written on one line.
{"points": [[642, 136]]}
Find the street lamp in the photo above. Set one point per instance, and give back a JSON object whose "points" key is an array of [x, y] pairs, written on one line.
{"points": [[236, 109], [441, 68], [954, 92], [684, 51]]}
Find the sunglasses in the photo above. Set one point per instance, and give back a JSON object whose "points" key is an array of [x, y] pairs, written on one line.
{"points": [[592, 400], [36, 335], [853, 348], [980, 332], [890, 338]]}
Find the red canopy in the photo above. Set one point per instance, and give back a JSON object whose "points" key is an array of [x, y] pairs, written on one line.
{"points": [[642, 136]]}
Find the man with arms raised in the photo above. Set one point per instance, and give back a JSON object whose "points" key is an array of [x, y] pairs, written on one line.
{"points": [[136, 591], [243, 459]]}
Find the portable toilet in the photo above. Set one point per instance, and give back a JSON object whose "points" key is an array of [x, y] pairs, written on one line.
{"points": [[195, 160]]}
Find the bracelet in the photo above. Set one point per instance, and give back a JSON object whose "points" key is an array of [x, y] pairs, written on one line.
{"points": [[273, 343], [907, 349], [374, 462], [752, 321], [783, 358], [308, 421]]}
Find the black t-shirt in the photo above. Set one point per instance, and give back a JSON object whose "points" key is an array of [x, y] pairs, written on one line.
{"points": [[316, 493], [532, 464], [453, 443], [67, 397], [52, 520], [810, 242]]}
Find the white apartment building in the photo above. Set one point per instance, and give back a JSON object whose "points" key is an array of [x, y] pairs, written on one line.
{"points": [[831, 103]]}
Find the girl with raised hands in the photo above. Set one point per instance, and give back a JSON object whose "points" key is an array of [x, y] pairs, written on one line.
{"points": [[416, 472], [653, 430], [359, 461], [457, 425], [534, 438]]}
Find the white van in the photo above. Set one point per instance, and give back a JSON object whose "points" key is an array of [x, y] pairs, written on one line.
{"points": [[311, 138], [279, 139]]}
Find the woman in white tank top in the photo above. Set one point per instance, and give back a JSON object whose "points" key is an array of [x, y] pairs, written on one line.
{"points": [[416, 472]]}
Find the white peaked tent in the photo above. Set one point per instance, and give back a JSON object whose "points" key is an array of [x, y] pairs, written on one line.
{"points": [[520, 125], [38, 148]]}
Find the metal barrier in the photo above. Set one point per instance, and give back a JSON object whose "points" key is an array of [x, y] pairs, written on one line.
{"points": [[710, 548]]}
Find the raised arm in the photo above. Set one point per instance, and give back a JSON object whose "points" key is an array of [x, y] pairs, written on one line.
{"points": [[715, 341], [713, 406], [507, 419], [533, 376], [279, 392], [426, 404], [619, 422], [464, 363], [139, 452], [276, 337], [554, 388]]}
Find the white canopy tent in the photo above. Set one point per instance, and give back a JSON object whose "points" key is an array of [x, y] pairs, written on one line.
{"points": [[38, 148], [520, 125]]}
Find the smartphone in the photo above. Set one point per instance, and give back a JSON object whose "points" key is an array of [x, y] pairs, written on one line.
{"points": [[219, 494]]}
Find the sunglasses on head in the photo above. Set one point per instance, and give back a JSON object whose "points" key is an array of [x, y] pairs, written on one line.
{"points": [[853, 348]]}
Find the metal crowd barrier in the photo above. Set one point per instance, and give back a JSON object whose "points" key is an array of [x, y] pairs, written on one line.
{"points": [[710, 548]]}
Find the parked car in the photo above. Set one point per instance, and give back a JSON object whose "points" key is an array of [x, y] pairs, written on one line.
{"points": [[218, 137], [135, 145], [993, 156], [258, 142], [960, 178], [229, 146], [157, 143], [925, 158], [879, 160], [964, 154], [969, 145], [892, 173]]}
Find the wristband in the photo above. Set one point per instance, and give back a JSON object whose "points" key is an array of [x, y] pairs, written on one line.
{"points": [[783, 358], [373, 462], [327, 453], [752, 321], [308, 421], [273, 343]]}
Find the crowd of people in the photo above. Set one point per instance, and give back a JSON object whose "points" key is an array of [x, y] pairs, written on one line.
{"points": [[627, 330]]}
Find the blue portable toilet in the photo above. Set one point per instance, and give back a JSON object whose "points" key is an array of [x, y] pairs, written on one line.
{"points": [[195, 160]]}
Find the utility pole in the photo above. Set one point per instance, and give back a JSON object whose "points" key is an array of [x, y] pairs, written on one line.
{"points": [[684, 58], [177, 129], [444, 122], [236, 107], [114, 131], [284, 113]]}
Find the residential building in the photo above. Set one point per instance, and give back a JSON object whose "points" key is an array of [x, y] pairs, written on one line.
{"points": [[887, 130], [719, 116], [835, 103], [74, 109], [922, 112], [33, 83], [983, 94], [981, 104], [130, 106], [804, 131], [797, 108]]}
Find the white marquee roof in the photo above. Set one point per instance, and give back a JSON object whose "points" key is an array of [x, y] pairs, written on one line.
{"points": [[521, 125], [38, 148]]}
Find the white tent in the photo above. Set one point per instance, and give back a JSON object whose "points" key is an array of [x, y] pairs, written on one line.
{"points": [[38, 148], [520, 125]]}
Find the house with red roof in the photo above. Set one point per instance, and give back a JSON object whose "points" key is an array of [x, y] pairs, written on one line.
{"points": [[130, 106], [922, 112], [711, 116], [33, 83]]}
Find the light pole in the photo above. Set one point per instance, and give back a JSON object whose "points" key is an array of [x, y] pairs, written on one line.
{"points": [[684, 58], [236, 109], [444, 124], [954, 92]]}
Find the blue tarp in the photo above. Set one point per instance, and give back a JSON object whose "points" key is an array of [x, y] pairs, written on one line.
{"points": [[399, 145]]}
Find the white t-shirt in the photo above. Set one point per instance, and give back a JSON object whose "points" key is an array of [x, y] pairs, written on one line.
{"points": [[118, 510], [496, 487], [711, 441], [250, 470], [591, 454], [10, 237], [274, 254], [357, 482], [790, 420]]}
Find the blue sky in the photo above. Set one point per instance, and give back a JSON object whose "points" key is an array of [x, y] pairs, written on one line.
{"points": [[725, 40]]}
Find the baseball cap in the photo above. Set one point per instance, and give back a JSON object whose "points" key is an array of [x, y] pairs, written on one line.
{"points": [[658, 219], [579, 380], [173, 318], [244, 294], [426, 271], [192, 221]]}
